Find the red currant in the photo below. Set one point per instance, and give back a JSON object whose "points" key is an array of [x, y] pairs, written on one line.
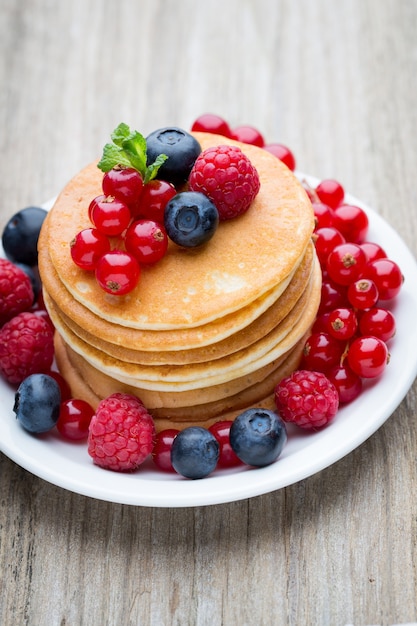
{"points": [[161, 453], [330, 192], [155, 196], [74, 419], [210, 123], [118, 272], [332, 296], [227, 456], [352, 222], [373, 251], [110, 215], [87, 247], [326, 239], [63, 385], [147, 240], [323, 215], [345, 263], [342, 324], [379, 323], [248, 134], [348, 384], [124, 183], [368, 356], [283, 153], [387, 276], [321, 352], [320, 323], [363, 294]]}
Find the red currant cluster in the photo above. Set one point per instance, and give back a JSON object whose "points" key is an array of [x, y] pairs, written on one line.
{"points": [[127, 229], [354, 323]]}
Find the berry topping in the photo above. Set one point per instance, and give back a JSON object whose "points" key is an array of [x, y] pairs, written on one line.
{"points": [[307, 398], [191, 219], [26, 347], [257, 436], [109, 215], [226, 176], [37, 403], [180, 147], [16, 292], [195, 452], [74, 419], [21, 234], [121, 433], [283, 153], [87, 248], [330, 192], [248, 134], [125, 183], [118, 272], [153, 200], [147, 241]]}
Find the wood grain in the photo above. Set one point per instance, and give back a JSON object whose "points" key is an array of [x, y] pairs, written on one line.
{"points": [[335, 82]]}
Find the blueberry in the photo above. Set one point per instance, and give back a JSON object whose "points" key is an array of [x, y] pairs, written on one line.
{"points": [[194, 452], [180, 147], [257, 436], [190, 219], [21, 233], [37, 403]]}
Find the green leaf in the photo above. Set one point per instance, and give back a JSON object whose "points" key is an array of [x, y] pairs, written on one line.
{"points": [[129, 149]]}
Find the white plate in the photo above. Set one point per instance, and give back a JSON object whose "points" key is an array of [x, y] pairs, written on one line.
{"points": [[69, 466]]}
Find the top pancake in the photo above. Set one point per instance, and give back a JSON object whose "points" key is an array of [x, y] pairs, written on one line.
{"points": [[248, 256]]}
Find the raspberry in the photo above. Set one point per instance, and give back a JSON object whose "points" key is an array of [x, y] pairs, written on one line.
{"points": [[121, 434], [16, 293], [227, 177], [307, 398], [26, 347]]}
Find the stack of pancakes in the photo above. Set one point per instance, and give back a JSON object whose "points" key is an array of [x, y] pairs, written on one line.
{"points": [[208, 331]]}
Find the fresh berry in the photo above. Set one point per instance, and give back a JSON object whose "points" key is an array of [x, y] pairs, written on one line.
{"points": [[323, 215], [35, 280], [147, 241], [368, 356], [330, 192], [221, 430], [248, 134], [378, 323], [386, 275], [307, 398], [21, 234], [342, 324], [121, 433], [363, 294], [348, 384], [37, 402], [352, 222], [195, 452], [74, 419], [210, 123], [326, 240], [332, 296], [109, 215], [26, 347], [63, 385], [321, 352], [283, 153], [226, 176], [16, 293], [180, 147], [257, 437], [87, 248], [153, 200], [373, 251], [190, 219], [125, 183], [346, 263], [161, 453], [118, 272]]}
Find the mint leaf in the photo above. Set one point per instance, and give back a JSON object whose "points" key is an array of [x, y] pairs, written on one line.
{"points": [[129, 149]]}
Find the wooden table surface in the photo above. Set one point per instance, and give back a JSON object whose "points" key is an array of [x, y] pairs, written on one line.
{"points": [[335, 81]]}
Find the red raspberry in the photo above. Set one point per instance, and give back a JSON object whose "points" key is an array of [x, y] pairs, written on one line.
{"points": [[121, 434], [26, 347], [307, 398], [227, 177], [16, 293]]}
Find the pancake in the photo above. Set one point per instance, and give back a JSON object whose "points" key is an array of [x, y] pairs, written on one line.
{"points": [[247, 258], [263, 325]]}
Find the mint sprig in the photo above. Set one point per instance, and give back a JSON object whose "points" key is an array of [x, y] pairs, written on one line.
{"points": [[129, 149]]}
